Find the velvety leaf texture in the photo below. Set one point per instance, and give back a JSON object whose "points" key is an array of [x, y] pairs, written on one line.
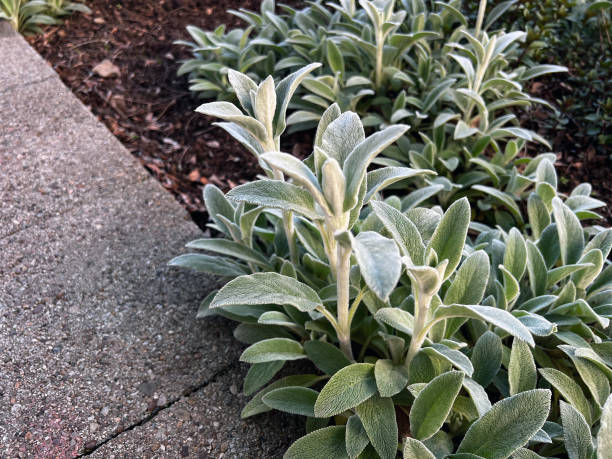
{"points": [[377, 415], [327, 442], [267, 288], [379, 261], [576, 433], [346, 389], [433, 404], [508, 425]]}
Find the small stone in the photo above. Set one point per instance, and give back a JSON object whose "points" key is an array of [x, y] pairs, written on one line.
{"points": [[146, 388], [93, 426], [104, 411], [213, 144], [106, 69], [99, 20], [233, 389], [162, 400], [183, 414]]}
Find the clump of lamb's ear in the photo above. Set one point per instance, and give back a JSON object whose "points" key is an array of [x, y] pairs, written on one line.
{"points": [[262, 120]]}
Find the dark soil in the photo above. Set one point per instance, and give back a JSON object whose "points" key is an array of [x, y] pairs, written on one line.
{"points": [[151, 111], [147, 106], [580, 158]]}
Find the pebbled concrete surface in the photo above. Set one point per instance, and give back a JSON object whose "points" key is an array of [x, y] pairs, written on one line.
{"points": [[100, 350]]}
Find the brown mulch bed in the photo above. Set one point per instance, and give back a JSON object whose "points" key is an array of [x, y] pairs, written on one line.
{"points": [[147, 106], [579, 157], [150, 109]]}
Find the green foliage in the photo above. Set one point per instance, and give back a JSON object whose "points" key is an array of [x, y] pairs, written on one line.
{"points": [[26, 16], [413, 62], [576, 32], [495, 343]]}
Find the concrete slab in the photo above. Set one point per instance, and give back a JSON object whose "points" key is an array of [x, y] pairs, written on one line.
{"points": [[97, 333], [6, 30], [207, 425], [20, 65], [59, 156]]}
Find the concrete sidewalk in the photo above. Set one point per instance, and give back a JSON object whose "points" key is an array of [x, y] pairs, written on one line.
{"points": [[100, 352]]}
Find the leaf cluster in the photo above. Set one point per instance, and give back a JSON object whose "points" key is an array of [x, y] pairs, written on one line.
{"points": [[393, 62], [483, 342], [26, 16]]}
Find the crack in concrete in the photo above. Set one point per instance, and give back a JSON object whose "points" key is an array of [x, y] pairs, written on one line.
{"points": [[193, 390], [12, 87]]}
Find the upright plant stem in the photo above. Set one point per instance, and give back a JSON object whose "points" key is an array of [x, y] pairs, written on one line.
{"points": [[274, 145], [380, 47], [419, 331], [481, 12], [343, 284]]}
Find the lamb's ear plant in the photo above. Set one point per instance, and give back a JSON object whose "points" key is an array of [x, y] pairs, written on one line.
{"points": [[432, 336], [25, 16], [454, 81]]}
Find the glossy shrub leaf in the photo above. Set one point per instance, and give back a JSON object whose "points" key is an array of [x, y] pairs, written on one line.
{"points": [[294, 400], [377, 414], [576, 433], [326, 442], [508, 425], [414, 449], [522, 374], [569, 390], [277, 195], [273, 349], [267, 288], [260, 374], [327, 357], [571, 236], [486, 358], [433, 404], [470, 282], [497, 317], [449, 237], [356, 437], [346, 389], [391, 379], [379, 262]]}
